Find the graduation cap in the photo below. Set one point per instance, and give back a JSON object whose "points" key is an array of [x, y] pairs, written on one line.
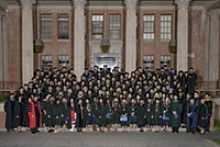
{"points": [[105, 66]]}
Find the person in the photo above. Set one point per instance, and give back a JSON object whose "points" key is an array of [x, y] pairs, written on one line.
{"points": [[192, 114], [108, 109], [88, 115], [158, 114], [133, 116], [8, 108], [166, 113], [38, 113], [80, 117], [124, 112], [18, 112], [149, 115], [115, 114], [95, 114], [140, 115], [102, 114], [191, 80], [202, 116], [209, 105], [50, 115], [73, 115], [175, 116], [59, 115]]}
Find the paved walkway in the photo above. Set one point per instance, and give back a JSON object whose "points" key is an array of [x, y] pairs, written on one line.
{"points": [[83, 139]]}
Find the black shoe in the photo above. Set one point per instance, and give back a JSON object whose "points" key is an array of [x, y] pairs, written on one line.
{"points": [[37, 131]]}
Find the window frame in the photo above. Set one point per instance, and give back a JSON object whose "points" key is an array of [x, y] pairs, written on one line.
{"points": [[150, 14], [46, 67], [67, 66], [96, 14], [171, 26], [151, 69], [46, 21], [170, 61], [115, 14], [68, 22]]}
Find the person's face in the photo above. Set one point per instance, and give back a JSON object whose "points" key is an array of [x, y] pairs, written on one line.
{"points": [[29, 100], [192, 101], [202, 101], [19, 98], [101, 101], [58, 102]]}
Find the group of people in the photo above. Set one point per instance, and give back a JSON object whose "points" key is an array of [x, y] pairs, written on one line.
{"points": [[143, 99]]}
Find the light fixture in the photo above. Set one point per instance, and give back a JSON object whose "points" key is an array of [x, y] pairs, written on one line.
{"points": [[38, 46], [105, 45], [173, 46]]}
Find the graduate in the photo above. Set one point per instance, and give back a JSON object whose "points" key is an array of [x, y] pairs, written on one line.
{"points": [[158, 114], [88, 115], [140, 115], [50, 114], [108, 109], [38, 113], [8, 108], [133, 115], [18, 112], [202, 116], [166, 113], [149, 114], [175, 116], [116, 114], [59, 115], [192, 114], [95, 114], [124, 115], [73, 115], [209, 105], [80, 115], [102, 115]]}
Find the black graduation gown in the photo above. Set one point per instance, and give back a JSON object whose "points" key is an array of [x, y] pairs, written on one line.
{"points": [[49, 119], [209, 105], [203, 115], [18, 114], [59, 111], [8, 107], [191, 83]]}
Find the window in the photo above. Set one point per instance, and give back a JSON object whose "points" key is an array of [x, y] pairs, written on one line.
{"points": [[63, 61], [149, 27], [148, 61], [165, 27], [63, 26], [46, 26], [46, 63], [165, 61], [115, 26], [97, 26]]}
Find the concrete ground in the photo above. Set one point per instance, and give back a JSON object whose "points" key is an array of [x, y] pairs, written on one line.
{"points": [[83, 139]]}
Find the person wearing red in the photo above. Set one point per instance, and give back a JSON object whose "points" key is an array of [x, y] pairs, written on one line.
{"points": [[35, 114]]}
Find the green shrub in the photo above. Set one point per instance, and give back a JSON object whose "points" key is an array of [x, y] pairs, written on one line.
{"points": [[217, 141], [217, 124], [4, 98]]}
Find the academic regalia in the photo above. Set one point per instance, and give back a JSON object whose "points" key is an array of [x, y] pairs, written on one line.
{"points": [[80, 116], [191, 83], [25, 115], [102, 115], [108, 109], [32, 115], [38, 114], [50, 116], [175, 119], [124, 110], [149, 113], [67, 114], [167, 114], [140, 115], [133, 118], [158, 113], [18, 114], [95, 113], [88, 115], [72, 116], [191, 122], [209, 105], [115, 114], [8, 107], [59, 114], [203, 115]]}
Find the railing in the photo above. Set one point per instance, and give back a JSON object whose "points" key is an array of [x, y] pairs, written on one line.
{"points": [[7, 86]]}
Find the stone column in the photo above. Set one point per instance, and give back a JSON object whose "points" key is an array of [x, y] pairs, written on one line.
{"points": [[27, 40], [182, 35], [79, 38], [1, 48], [214, 46], [130, 38]]}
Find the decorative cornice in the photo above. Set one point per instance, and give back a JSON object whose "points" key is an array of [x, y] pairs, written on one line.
{"points": [[27, 4], [182, 4], [79, 4], [214, 15], [131, 4]]}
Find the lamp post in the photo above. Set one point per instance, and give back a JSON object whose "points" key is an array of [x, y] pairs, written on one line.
{"points": [[173, 49], [105, 45]]}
